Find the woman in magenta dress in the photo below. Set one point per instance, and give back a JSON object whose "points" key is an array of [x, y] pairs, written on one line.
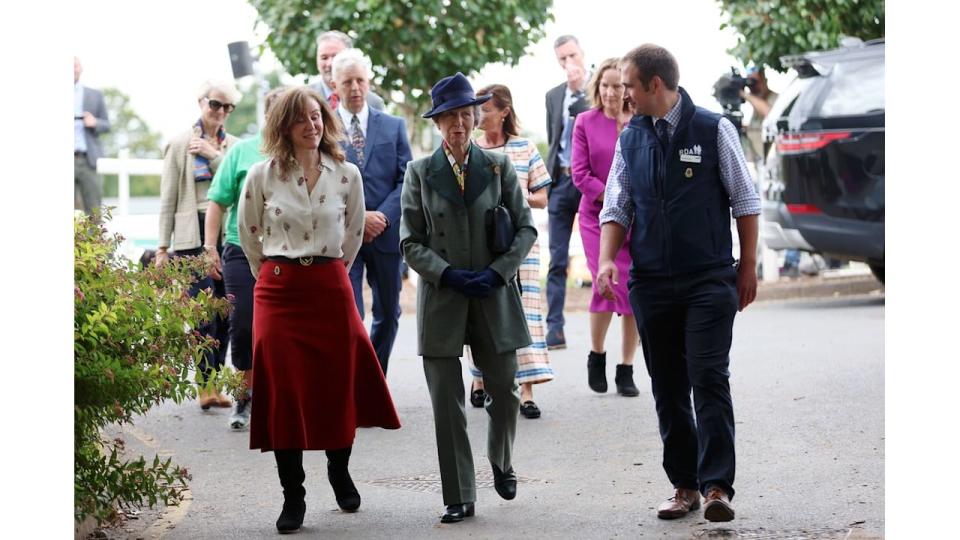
{"points": [[594, 140]]}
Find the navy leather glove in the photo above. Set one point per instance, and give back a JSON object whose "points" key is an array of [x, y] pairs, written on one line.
{"points": [[456, 279]]}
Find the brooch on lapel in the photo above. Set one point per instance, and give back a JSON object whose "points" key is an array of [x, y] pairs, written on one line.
{"points": [[496, 169], [689, 172]]}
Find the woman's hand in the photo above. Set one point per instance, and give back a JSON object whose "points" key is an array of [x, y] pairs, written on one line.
{"points": [[214, 265], [161, 258], [203, 147]]}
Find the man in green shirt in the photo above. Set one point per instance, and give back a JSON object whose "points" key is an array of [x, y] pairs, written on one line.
{"points": [[233, 268]]}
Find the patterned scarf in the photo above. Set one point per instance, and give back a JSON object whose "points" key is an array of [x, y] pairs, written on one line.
{"points": [[460, 171], [201, 165]]}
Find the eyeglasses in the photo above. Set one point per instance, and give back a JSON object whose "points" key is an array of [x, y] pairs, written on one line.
{"points": [[215, 105]]}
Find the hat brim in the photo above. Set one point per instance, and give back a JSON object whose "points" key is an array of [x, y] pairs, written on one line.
{"points": [[456, 104]]}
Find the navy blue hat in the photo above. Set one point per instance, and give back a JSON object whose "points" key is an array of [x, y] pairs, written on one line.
{"points": [[452, 93]]}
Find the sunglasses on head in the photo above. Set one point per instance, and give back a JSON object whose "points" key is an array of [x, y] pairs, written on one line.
{"points": [[215, 105]]}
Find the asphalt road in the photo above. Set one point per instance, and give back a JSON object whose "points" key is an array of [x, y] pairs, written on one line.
{"points": [[808, 389]]}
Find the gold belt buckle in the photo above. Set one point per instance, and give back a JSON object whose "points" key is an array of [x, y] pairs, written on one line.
{"points": [[306, 261]]}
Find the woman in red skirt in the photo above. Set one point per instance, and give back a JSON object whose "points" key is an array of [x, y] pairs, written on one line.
{"points": [[315, 373]]}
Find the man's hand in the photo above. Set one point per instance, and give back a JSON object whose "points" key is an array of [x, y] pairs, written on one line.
{"points": [[203, 147], [607, 276], [374, 223], [746, 283], [576, 76], [89, 120]]}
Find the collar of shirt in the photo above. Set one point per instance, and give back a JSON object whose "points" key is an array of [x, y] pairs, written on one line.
{"points": [[347, 117], [672, 117]]}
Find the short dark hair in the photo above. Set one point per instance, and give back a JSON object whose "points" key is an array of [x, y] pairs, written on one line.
{"points": [[565, 38], [650, 60]]}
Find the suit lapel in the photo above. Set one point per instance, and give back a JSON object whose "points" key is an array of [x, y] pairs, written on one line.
{"points": [[441, 179], [480, 172], [373, 133]]}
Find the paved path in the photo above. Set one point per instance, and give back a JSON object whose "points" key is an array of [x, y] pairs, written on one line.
{"points": [[808, 393]]}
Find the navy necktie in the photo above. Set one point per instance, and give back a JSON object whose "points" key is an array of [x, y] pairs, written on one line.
{"points": [[663, 134]]}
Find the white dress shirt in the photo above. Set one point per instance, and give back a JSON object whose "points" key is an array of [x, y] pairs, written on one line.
{"points": [[347, 118], [278, 217]]}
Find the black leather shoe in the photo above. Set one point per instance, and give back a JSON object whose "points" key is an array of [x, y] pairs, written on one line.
{"points": [[477, 397], [529, 409], [556, 340], [597, 371], [504, 482], [454, 513], [624, 381], [291, 517]]}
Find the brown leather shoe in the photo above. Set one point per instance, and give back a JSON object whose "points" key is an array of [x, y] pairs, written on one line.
{"points": [[716, 506], [683, 502], [222, 400], [206, 398]]}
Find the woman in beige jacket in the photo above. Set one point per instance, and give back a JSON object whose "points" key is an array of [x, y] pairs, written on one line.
{"points": [[189, 163]]}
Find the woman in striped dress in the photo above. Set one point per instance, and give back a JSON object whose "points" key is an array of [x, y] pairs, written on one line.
{"points": [[501, 131]]}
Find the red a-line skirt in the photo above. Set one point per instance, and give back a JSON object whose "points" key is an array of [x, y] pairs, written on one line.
{"points": [[316, 377]]}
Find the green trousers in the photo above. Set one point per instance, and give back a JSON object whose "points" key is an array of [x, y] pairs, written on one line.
{"points": [[445, 383]]}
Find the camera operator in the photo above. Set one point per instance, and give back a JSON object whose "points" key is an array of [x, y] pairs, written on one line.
{"points": [[761, 98]]}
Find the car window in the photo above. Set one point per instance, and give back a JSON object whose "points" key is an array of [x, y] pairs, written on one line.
{"points": [[855, 88]]}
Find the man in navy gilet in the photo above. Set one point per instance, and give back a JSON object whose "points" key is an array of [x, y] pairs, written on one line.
{"points": [[677, 171]]}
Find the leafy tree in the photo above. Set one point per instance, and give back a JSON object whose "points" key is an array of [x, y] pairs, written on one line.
{"points": [[770, 29], [127, 129], [412, 43], [243, 121], [131, 351]]}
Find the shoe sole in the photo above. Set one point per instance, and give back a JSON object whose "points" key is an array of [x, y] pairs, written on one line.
{"points": [[555, 347], [291, 531], [718, 511]]}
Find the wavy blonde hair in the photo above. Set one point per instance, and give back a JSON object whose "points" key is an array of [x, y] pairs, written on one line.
{"points": [[288, 108], [593, 87]]}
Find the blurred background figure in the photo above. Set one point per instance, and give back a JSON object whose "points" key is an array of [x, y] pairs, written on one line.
{"points": [[329, 45], [233, 268], [594, 140], [501, 133], [189, 163], [89, 121]]}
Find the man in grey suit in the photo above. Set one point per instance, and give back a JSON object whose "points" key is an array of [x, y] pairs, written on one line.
{"points": [[89, 120], [564, 102], [329, 45]]}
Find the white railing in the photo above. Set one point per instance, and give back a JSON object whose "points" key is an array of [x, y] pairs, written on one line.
{"points": [[123, 166]]}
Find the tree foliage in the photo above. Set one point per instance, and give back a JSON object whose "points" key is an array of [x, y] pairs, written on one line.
{"points": [[131, 351], [413, 43], [770, 29], [127, 129]]}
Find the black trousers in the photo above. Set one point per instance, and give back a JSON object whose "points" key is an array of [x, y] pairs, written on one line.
{"points": [[238, 283], [219, 327], [686, 326]]}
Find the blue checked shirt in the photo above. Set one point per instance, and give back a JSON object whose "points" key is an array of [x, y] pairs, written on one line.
{"points": [[618, 196]]}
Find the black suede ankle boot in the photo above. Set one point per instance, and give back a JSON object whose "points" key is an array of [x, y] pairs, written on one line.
{"points": [[290, 470], [348, 498], [624, 381], [597, 371]]}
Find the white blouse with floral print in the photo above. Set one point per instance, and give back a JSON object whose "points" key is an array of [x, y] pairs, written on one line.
{"points": [[277, 217]]}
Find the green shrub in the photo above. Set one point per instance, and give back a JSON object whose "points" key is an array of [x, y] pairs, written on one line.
{"points": [[133, 348]]}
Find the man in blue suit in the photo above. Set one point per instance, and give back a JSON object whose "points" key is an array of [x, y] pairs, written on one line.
{"points": [[377, 144]]}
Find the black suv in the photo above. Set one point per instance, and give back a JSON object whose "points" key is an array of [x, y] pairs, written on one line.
{"points": [[823, 188]]}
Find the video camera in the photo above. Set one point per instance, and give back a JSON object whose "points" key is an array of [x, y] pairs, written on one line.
{"points": [[727, 91]]}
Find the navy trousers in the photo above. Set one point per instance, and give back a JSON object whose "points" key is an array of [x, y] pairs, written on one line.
{"points": [[686, 326], [383, 276], [238, 282], [219, 327], [562, 207]]}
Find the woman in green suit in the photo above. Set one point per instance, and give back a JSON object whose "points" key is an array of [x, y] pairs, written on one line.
{"points": [[466, 294]]}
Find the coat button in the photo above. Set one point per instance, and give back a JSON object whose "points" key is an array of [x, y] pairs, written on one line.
{"points": [[440, 214], [441, 233]]}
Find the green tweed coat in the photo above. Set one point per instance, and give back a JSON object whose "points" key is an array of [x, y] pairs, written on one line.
{"points": [[440, 228]]}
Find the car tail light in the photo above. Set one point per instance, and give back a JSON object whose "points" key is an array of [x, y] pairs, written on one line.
{"points": [[796, 143], [803, 209]]}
